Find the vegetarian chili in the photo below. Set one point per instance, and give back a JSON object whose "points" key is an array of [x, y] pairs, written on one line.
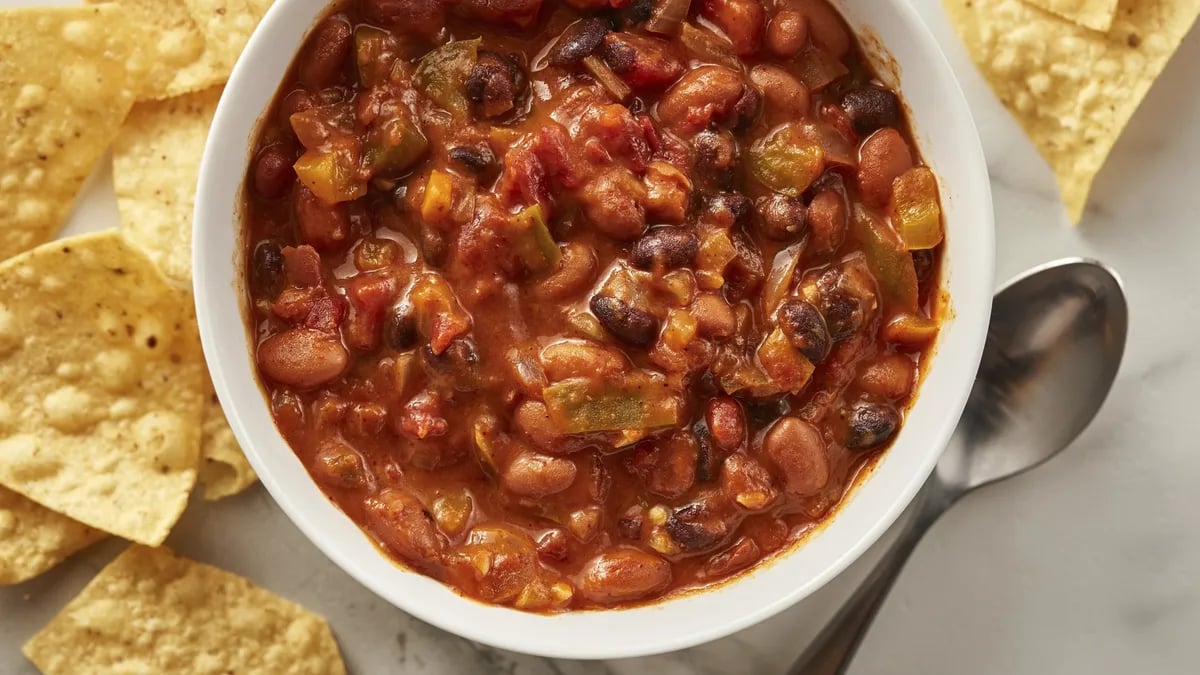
{"points": [[580, 304]]}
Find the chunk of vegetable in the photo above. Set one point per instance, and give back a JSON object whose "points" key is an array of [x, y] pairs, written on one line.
{"points": [[582, 405], [916, 214], [439, 197], [394, 145], [332, 173], [375, 51], [783, 363], [441, 74], [667, 16], [891, 264], [532, 239], [706, 47], [786, 162], [779, 280], [439, 316], [611, 82]]}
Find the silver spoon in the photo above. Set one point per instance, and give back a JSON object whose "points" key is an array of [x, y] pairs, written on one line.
{"points": [[1055, 342]]}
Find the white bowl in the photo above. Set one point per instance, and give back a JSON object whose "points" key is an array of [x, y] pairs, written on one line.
{"points": [[948, 141]]}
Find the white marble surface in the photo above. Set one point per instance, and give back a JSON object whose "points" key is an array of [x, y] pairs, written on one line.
{"points": [[1088, 565]]}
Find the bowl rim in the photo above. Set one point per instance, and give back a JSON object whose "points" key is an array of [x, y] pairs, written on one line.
{"points": [[498, 626]]}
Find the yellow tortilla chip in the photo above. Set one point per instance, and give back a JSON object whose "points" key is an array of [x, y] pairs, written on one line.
{"points": [[166, 42], [33, 538], [156, 162], [151, 611], [103, 385], [65, 89], [1071, 88], [224, 470], [226, 25], [1094, 14]]}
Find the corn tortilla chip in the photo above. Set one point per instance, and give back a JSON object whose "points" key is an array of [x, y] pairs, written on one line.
{"points": [[151, 611], [166, 41], [1094, 14], [156, 163], [103, 385], [65, 87], [33, 538], [1071, 88], [224, 470], [226, 25]]}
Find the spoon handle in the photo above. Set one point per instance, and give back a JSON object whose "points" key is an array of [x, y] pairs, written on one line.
{"points": [[832, 651]]}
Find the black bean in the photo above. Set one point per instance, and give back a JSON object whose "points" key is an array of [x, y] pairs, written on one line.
{"points": [[805, 328], [871, 424], [435, 245], [781, 217], [716, 155], [629, 324], [580, 39], [843, 315], [268, 276], [693, 529], [871, 108], [746, 109], [400, 327], [639, 11], [665, 247], [495, 83], [477, 158], [457, 366], [923, 262], [732, 207], [630, 523]]}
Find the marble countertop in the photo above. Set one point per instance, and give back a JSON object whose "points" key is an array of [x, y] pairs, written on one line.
{"points": [[1087, 565]]}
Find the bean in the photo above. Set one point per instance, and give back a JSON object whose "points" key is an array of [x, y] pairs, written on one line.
{"points": [[844, 314], [714, 317], [613, 203], [871, 108], [827, 221], [629, 525], [532, 420], [457, 366], [740, 555], [664, 248], [580, 39], [475, 158], [667, 467], [805, 328], [338, 465], [881, 159], [644, 62], [519, 13], [574, 272], [578, 358], [746, 109], [695, 529], [825, 27], [268, 269], [417, 17], [782, 218], [742, 21], [745, 273], [784, 96], [400, 327], [747, 483], [786, 33], [326, 55], [509, 558], [495, 83], [728, 209], [890, 377], [302, 358], [798, 450], [399, 520], [629, 324], [701, 96], [624, 575], [273, 173], [535, 475], [716, 155], [552, 545], [871, 425], [726, 422], [325, 226], [668, 192]]}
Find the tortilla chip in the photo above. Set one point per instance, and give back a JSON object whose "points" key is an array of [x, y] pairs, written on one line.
{"points": [[156, 163], [1071, 88], [103, 385], [33, 538], [1094, 14], [65, 88], [224, 470], [166, 41], [226, 25], [151, 611]]}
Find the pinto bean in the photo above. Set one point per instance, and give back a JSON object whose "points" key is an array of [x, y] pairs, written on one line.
{"points": [[726, 422], [302, 358], [785, 98], [644, 62], [613, 203], [273, 172], [535, 475], [740, 555], [665, 248], [532, 420], [667, 467], [623, 575], [398, 519], [575, 271], [519, 13], [805, 328], [425, 18], [668, 192], [629, 324], [742, 21], [786, 33], [327, 53], [797, 449], [890, 377], [872, 425], [827, 221], [881, 159], [325, 226], [578, 358], [746, 482], [701, 96]]}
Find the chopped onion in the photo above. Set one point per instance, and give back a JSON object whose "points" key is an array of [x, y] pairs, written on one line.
{"points": [[667, 16], [607, 78]]}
